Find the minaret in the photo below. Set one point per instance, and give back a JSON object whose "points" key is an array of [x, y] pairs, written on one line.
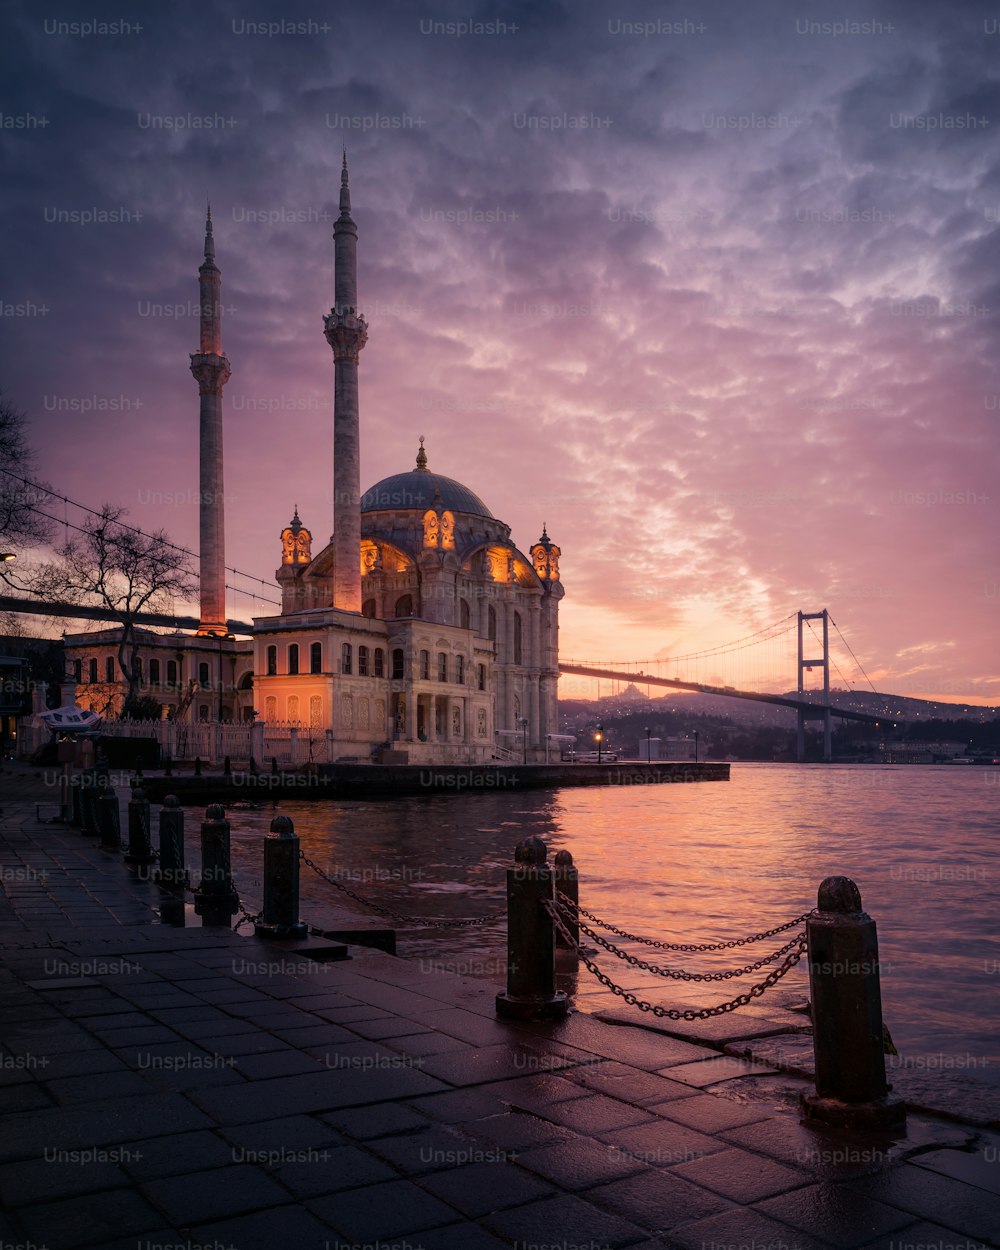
{"points": [[211, 370], [347, 333]]}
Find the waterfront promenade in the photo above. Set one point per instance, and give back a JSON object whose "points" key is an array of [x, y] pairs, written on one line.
{"points": [[190, 1087]]}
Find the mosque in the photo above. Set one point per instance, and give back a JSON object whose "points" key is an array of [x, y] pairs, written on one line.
{"points": [[419, 634]]}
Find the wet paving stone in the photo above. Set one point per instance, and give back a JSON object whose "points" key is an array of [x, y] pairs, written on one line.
{"points": [[835, 1214]]}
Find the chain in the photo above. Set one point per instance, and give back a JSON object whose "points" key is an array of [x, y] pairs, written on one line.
{"points": [[678, 974], [246, 918], [670, 1013], [427, 922], [680, 946]]}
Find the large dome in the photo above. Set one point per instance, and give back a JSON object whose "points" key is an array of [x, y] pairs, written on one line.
{"points": [[417, 489]]}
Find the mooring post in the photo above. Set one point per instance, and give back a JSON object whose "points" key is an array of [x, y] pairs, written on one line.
{"points": [[280, 917], [108, 819], [568, 884], [171, 871], [215, 900], [531, 966], [139, 849], [851, 1088]]}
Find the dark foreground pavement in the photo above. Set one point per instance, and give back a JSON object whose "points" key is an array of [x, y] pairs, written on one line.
{"points": [[166, 1087]]}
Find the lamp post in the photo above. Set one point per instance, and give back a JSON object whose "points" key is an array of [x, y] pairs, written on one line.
{"points": [[648, 747], [523, 722], [599, 739]]}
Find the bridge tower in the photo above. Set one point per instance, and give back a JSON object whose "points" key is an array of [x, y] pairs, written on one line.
{"points": [[822, 661]]}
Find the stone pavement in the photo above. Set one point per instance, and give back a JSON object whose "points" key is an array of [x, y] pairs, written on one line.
{"points": [[166, 1087]]}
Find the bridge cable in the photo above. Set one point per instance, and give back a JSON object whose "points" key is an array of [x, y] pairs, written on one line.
{"points": [[853, 656]]}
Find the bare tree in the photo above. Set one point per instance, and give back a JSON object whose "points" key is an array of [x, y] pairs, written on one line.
{"points": [[19, 521], [113, 565]]}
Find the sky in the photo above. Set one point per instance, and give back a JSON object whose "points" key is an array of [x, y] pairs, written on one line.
{"points": [[711, 290]]}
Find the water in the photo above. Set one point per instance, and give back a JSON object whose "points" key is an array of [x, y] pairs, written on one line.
{"points": [[702, 863]]}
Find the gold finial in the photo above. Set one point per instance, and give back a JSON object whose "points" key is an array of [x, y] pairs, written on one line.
{"points": [[422, 456]]}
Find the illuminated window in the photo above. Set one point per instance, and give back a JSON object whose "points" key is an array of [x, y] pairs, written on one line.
{"points": [[362, 661], [272, 661], [316, 658], [345, 658], [379, 662], [293, 659]]}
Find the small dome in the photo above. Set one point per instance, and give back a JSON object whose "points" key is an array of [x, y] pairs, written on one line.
{"points": [[419, 490]]}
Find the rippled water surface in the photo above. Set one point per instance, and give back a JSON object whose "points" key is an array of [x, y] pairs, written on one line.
{"points": [[701, 863]]}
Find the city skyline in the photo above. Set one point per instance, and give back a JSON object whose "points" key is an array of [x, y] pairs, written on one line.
{"points": [[726, 332]]}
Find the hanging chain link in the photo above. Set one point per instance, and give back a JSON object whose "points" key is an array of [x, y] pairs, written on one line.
{"points": [[427, 922], [670, 1013], [683, 946]]}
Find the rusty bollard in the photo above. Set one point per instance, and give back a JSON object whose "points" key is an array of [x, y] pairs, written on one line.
{"points": [[851, 1088], [108, 818], [139, 849], [531, 969], [568, 883], [280, 917], [171, 871], [215, 900]]}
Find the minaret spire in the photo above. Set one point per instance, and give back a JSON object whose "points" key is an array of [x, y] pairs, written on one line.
{"points": [[347, 333], [211, 370]]}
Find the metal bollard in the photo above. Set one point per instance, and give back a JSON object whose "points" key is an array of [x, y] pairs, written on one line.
{"points": [[108, 818], [171, 870], [88, 803], [531, 971], [280, 917], [851, 1088], [568, 883], [215, 900], [139, 849], [197, 765]]}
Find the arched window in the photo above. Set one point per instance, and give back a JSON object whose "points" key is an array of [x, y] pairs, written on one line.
{"points": [[92, 670], [491, 622], [482, 677], [517, 637], [425, 665], [460, 669], [345, 658], [368, 608], [379, 662], [78, 670], [442, 666], [171, 672], [362, 661], [293, 658], [203, 712], [270, 708], [154, 672], [397, 663], [316, 657], [203, 678], [272, 661], [315, 711], [404, 606], [293, 708], [464, 614], [109, 668]]}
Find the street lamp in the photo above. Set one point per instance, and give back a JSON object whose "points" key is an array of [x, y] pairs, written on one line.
{"points": [[7, 556], [523, 722], [599, 738]]}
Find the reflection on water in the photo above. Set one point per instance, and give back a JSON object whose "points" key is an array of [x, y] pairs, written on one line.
{"points": [[699, 863]]}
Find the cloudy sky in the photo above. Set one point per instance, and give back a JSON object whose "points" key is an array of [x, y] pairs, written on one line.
{"points": [[713, 290]]}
